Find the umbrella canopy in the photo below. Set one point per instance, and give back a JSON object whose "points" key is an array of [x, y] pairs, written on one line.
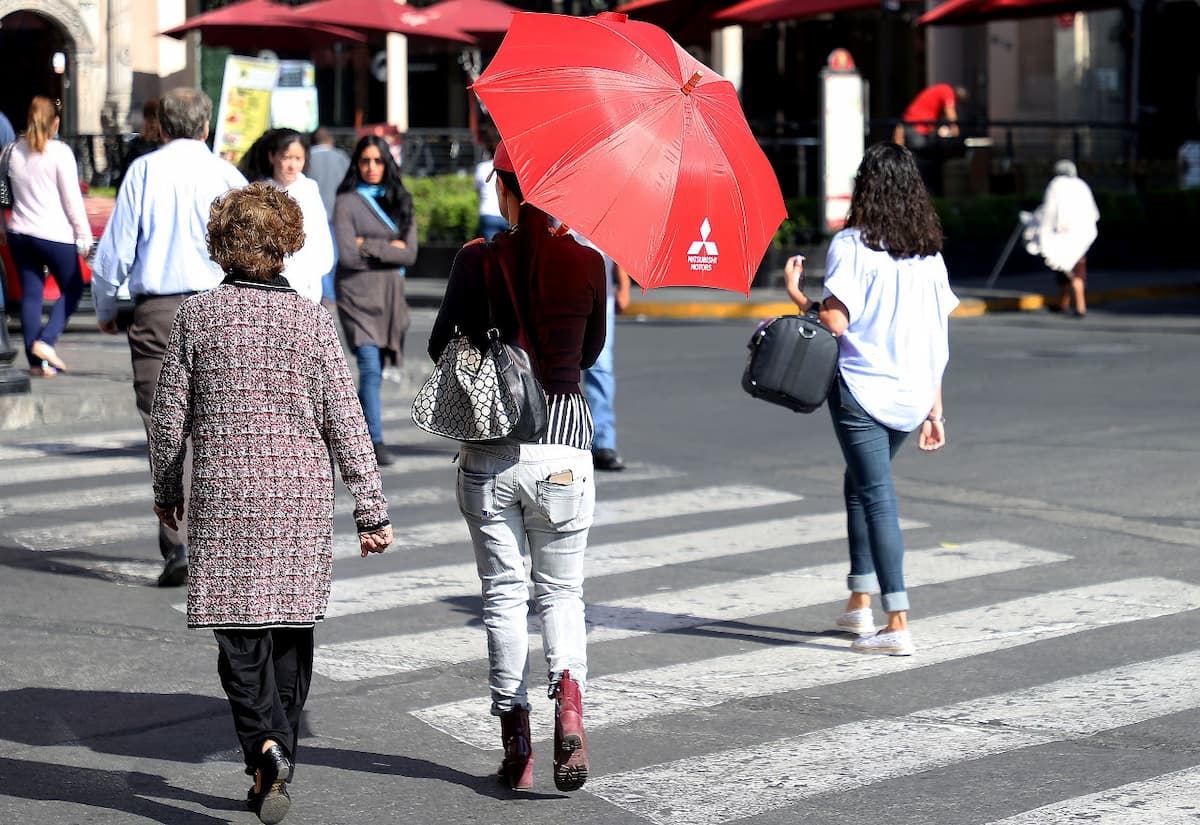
{"points": [[477, 17], [260, 24], [617, 131], [961, 12], [688, 21], [764, 11], [382, 16]]}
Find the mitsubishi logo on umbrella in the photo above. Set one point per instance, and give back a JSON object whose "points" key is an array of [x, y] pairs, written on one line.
{"points": [[702, 254]]}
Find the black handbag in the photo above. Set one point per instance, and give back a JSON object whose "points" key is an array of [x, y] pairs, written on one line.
{"points": [[793, 361], [6, 199], [487, 395]]}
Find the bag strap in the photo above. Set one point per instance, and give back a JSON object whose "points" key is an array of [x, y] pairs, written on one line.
{"points": [[524, 329], [5, 153]]}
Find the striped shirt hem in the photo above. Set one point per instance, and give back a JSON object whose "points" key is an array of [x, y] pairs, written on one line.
{"points": [[570, 422]]}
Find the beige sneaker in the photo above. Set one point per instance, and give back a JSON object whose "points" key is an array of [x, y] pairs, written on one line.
{"points": [[859, 622]]}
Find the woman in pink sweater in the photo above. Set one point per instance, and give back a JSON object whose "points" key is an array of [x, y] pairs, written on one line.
{"points": [[48, 229]]}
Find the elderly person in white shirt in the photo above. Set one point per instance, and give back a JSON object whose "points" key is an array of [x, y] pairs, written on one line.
{"points": [[278, 157], [48, 230], [156, 241], [1062, 230]]}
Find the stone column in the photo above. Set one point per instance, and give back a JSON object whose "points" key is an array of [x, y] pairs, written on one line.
{"points": [[120, 69], [397, 81]]}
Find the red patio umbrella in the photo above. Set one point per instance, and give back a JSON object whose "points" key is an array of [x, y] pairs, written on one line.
{"points": [[961, 12], [260, 24], [764, 11], [617, 131], [688, 21], [477, 17], [382, 16]]}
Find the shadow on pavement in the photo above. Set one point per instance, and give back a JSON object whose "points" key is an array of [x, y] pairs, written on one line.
{"points": [[116, 790]]}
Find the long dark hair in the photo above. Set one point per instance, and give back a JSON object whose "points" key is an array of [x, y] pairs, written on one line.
{"points": [[396, 200], [891, 207], [532, 225], [256, 163]]}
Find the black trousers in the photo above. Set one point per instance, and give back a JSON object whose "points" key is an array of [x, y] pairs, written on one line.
{"points": [[266, 675]]}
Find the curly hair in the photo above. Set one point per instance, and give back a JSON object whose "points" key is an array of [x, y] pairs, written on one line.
{"points": [[891, 207], [251, 231]]}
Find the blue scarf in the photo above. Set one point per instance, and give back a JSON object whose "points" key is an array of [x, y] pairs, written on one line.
{"points": [[371, 193]]}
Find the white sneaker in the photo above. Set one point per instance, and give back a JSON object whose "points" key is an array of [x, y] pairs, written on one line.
{"points": [[890, 643], [860, 622]]}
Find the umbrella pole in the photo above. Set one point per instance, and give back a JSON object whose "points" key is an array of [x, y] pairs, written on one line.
{"points": [[1003, 259]]}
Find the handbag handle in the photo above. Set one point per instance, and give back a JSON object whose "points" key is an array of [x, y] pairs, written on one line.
{"points": [[524, 329]]}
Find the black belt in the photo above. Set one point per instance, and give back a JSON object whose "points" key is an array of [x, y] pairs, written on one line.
{"points": [[138, 300]]}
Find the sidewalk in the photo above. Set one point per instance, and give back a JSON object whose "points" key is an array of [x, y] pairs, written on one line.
{"points": [[99, 386]]}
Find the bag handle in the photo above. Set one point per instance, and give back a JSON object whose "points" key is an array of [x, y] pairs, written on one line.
{"points": [[524, 329]]}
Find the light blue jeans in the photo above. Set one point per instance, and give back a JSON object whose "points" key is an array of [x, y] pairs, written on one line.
{"points": [[370, 380], [600, 388], [511, 506], [872, 520]]}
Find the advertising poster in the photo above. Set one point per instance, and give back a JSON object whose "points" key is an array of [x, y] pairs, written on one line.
{"points": [[244, 111]]}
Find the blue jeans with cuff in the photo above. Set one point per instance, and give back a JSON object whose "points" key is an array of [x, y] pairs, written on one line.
{"points": [[872, 519]]}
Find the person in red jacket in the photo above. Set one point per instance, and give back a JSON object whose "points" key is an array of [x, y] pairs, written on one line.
{"points": [[939, 102]]}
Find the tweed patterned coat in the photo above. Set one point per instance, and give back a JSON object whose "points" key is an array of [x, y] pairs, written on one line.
{"points": [[255, 376]]}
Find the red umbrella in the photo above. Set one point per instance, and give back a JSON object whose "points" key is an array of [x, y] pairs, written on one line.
{"points": [[480, 17], [981, 11], [382, 16], [618, 132], [764, 11], [260, 24]]}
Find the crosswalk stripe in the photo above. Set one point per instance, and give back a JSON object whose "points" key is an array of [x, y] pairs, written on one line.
{"points": [[744, 782], [662, 612], [622, 698], [76, 467], [1170, 799], [737, 497], [410, 587]]}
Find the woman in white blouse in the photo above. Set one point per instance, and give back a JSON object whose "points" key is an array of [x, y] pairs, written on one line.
{"points": [[278, 157], [48, 229]]}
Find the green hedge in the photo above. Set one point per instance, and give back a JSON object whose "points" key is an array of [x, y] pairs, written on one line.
{"points": [[446, 206]]}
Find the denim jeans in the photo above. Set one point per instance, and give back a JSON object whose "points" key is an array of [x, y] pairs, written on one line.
{"points": [[600, 388], [30, 254], [370, 379], [327, 291], [511, 506], [872, 520], [490, 225]]}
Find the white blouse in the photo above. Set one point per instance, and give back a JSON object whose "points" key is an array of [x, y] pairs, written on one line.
{"points": [[305, 269]]}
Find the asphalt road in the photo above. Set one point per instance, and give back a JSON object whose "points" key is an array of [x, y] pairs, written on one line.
{"points": [[1055, 588]]}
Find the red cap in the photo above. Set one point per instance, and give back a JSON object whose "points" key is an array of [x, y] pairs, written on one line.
{"points": [[501, 162]]}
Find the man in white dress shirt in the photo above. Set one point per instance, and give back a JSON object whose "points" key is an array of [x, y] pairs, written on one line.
{"points": [[156, 241]]}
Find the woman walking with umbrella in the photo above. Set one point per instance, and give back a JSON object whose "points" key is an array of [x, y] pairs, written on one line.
{"points": [[888, 299], [536, 496]]}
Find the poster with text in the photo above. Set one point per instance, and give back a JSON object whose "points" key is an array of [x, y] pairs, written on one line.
{"points": [[244, 111]]}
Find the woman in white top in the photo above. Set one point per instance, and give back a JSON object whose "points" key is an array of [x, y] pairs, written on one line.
{"points": [[278, 157], [48, 229], [888, 299]]}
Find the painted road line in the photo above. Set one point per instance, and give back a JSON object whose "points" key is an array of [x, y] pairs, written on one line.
{"points": [[1170, 799], [663, 612], [98, 496], [719, 499], [404, 588], [743, 782], [75, 467], [622, 698]]}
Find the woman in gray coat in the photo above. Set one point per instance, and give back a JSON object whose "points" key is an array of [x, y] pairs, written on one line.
{"points": [[376, 238]]}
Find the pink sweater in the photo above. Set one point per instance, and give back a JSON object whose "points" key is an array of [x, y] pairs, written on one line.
{"points": [[47, 203]]}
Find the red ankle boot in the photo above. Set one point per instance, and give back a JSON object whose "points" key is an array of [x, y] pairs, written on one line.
{"points": [[516, 770], [570, 742]]}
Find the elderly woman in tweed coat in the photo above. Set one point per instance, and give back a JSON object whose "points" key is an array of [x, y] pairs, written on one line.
{"points": [[254, 375]]}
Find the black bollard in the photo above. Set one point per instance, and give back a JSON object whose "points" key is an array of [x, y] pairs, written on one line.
{"points": [[12, 381]]}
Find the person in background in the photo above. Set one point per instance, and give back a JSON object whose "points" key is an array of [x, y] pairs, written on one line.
{"points": [[155, 241], [1062, 230], [7, 133], [887, 297], [48, 229], [490, 219], [599, 382], [146, 141], [536, 497], [327, 165], [261, 520], [939, 102], [376, 235], [277, 157]]}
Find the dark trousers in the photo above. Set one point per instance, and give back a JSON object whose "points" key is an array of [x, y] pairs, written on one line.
{"points": [[266, 675], [149, 334], [31, 255]]}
